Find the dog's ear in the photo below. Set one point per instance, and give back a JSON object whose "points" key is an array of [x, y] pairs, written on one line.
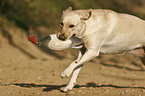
{"points": [[68, 9], [86, 15]]}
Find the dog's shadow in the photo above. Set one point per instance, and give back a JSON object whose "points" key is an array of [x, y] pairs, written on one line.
{"points": [[48, 88]]}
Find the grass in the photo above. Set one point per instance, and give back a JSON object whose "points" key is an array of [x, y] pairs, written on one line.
{"points": [[47, 13]]}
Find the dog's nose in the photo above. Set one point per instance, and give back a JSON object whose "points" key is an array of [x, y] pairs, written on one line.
{"points": [[62, 37]]}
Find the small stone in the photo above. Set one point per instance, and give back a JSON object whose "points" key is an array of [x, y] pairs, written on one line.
{"points": [[132, 94], [71, 92], [106, 91], [39, 93], [126, 91], [139, 95], [39, 88], [131, 89], [122, 93], [143, 91], [10, 93], [39, 78], [81, 92], [20, 92]]}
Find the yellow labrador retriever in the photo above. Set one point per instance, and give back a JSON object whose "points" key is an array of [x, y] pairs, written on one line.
{"points": [[103, 31]]}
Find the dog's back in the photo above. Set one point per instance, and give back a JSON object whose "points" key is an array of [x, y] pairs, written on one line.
{"points": [[126, 32]]}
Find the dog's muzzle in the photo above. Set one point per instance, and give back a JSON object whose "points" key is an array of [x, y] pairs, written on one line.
{"points": [[61, 37]]}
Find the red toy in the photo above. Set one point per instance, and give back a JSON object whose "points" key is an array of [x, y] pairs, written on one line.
{"points": [[33, 39]]}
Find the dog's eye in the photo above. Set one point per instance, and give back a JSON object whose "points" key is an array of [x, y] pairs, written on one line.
{"points": [[61, 24], [71, 26]]}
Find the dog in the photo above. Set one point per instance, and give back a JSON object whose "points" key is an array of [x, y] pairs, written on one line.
{"points": [[103, 31]]}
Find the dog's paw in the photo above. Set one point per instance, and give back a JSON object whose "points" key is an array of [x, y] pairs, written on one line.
{"points": [[68, 88], [65, 73]]}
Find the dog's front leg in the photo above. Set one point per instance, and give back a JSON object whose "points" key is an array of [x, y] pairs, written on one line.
{"points": [[76, 72], [70, 68], [73, 79], [90, 54]]}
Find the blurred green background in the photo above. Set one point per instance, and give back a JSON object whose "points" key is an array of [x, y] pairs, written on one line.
{"points": [[42, 16]]}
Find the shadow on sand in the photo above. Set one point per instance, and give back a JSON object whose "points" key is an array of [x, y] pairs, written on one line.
{"points": [[48, 88]]}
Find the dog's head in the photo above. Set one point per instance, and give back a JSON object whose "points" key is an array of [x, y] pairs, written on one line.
{"points": [[73, 23]]}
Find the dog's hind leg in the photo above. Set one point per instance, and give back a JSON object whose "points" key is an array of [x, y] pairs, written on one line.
{"points": [[73, 79], [139, 53], [142, 57]]}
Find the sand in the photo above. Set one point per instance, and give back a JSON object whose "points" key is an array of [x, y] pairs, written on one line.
{"points": [[27, 70]]}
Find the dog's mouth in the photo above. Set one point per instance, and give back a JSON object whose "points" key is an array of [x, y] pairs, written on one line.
{"points": [[63, 37], [74, 35], [76, 42]]}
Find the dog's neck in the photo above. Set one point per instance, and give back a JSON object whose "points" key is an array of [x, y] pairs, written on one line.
{"points": [[80, 33]]}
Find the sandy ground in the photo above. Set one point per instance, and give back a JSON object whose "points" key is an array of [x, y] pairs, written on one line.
{"points": [[25, 70]]}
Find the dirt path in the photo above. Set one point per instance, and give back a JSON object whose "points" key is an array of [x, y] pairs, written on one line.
{"points": [[27, 71]]}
